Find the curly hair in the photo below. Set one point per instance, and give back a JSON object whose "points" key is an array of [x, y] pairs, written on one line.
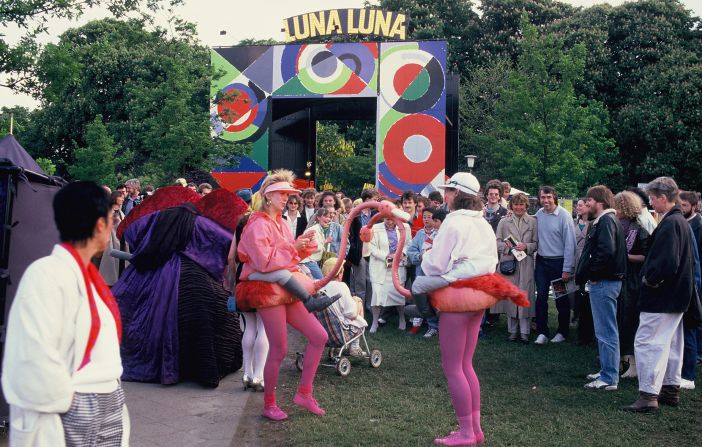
{"points": [[628, 205], [279, 175]]}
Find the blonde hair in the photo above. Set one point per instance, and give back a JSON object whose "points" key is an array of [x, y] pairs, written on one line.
{"points": [[329, 265], [279, 175], [518, 198], [628, 205]]}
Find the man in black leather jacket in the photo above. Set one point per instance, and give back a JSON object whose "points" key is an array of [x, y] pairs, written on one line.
{"points": [[602, 266]]}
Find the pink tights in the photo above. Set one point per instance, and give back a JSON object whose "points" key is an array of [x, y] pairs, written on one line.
{"points": [[274, 321], [458, 336]]}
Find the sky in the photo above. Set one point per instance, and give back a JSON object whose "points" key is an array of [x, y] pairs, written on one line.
{"points": [[256, 19]]}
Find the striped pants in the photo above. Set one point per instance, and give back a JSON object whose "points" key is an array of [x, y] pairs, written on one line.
{"points": [[95, 420]]}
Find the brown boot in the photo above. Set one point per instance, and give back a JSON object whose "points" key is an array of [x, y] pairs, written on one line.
{"points": [[669, 395], [647, 403]]}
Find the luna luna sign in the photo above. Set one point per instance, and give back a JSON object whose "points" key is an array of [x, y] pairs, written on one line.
{"points": [[392, 25]]}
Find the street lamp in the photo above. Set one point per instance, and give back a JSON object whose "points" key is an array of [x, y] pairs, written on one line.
{"points": [[470, 161], [308, 172]]}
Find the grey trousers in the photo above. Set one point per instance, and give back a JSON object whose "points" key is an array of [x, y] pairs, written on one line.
{"points": [[278, 276], [425, 284]]}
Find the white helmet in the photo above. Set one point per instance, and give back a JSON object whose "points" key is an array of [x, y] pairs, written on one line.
{"points": [[463, 181]]}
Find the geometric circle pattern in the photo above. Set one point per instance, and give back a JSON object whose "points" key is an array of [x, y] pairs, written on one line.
{"points": [[417, 82], [242, 110], [320, 71], [415, 144]]}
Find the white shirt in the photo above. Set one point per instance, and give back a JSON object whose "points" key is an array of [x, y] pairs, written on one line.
{"points": [[464, 247]]}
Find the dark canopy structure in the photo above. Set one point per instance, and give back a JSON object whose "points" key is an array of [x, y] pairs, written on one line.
{"points": [[28, 229]]}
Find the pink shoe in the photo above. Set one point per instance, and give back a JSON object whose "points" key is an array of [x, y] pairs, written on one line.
{"points": [[307, 402], [274, 413], [479, 437], [456, 439]]}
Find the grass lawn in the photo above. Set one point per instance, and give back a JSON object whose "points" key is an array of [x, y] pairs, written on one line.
{"points": [[531, 396]]}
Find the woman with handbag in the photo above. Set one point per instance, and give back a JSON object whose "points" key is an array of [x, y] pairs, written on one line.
{"points": [[522, 229], [383, 244]]}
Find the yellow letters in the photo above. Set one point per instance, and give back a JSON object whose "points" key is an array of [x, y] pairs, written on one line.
{"points": [[317, 24], [334, 24], [366, 27]]}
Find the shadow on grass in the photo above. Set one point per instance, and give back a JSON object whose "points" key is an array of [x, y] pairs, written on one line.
{"points": [[531, 396]]}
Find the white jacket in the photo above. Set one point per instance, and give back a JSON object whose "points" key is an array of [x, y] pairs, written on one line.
{"points": [[47, 333], [380, 249], [464, 247]]}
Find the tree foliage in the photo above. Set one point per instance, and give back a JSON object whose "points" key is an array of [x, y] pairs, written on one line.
{"points": [[544, 134], [339, 162], [31, 16], [97, 161], [150, 88]]}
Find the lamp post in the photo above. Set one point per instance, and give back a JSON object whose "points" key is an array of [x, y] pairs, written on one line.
{"points": [[308, 173], [470, 161]]}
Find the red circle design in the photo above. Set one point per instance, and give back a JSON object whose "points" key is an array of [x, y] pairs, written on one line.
{"points": [[231, 111], [394, 154]]}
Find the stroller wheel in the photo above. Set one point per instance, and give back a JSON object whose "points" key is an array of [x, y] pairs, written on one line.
{"points": [[299, 361], [375, 358], [343, 367]]}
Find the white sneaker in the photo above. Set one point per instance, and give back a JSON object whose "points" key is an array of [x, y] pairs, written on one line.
{"points": [[593, 376], [381, 321], [541, 339], [600, 385], [558, 339], [687, 384], [431, 333]]}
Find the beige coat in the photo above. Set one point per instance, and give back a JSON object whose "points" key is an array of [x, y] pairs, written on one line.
{"points": [[384, 293], [524, 276]]}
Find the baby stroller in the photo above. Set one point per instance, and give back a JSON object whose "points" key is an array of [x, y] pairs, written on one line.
{"points": [[341, 337]]}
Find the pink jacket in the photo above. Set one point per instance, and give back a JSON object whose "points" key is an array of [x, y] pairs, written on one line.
{"points": [[267, 245]]}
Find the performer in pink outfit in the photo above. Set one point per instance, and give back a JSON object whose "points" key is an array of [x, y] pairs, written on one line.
{"points": [[270, 254], [464, 248]]}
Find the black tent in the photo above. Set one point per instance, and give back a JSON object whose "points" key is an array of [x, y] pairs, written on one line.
{"points": [[28, 231]]}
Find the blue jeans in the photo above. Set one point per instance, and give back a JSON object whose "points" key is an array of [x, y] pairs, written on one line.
{"points": [[603, 299], [314, 269], [699, 343], [433, 323], [689, 365], [548, 269]]}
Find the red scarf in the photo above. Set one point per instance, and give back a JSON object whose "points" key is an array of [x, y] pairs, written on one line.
{"points": [[92, 278]]}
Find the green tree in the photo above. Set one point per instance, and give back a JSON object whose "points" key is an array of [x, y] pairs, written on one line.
{"points": [[151, 88], [331, 149], [96, 161], [501, 27], [20, 118], [545, 134], [663, 121], [17, 61], [46, 165], [642, 38], [589, 27], [480, 94]]}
